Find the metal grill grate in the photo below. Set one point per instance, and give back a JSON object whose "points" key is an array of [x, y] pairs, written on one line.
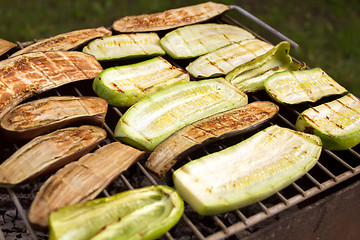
{"points": [[332, 169]]}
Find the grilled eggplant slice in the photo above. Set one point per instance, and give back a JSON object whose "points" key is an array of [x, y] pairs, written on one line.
{"points": [[82, 180], [47, 153], [292, 87], [207, 130], [37, 117], [248, 172], [65, 41], [172, 18], [5, 46], [199, 39], [337, 123], [151, 120], [26, 75], [250, 76], [125, 85], [143, 213], [125, 46], [223, 60]]}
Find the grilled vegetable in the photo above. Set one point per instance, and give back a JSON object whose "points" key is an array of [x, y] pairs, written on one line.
{"points": [[65, 41], [125, 46], [153, 119], [202, 132], [169, 19], [292, 87], [5, 46], [126, 85], [32, 73], [199, 39], [144, 213], [225, 59], [48, 153], [247, 172], [34, 118], [82, 180], [337, 123], [250, 76]]}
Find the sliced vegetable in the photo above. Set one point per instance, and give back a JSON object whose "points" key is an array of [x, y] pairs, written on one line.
{"points": [[232, 122], [337, 123], [126, 85], [250, 76], [169, 19], [144, 213], [34, 118], [125, 46], [5, 46], [153, 119], [48, 153], [247, 172], [82, 180], [199, 39], [292, 87], [223, 60]]}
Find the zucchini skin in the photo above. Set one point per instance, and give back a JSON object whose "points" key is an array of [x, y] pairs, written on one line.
{"points": [[123, 86], [144, 213], [242, 174], [337, 123]]}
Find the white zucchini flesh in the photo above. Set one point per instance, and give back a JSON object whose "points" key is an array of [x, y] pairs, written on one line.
{"points": [[247, 172]]}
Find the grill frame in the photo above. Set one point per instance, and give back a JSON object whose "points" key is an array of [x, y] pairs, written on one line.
{"points": [[333, 169]]}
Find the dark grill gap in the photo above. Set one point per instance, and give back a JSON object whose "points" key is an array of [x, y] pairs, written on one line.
{"points": [[333, 169]]}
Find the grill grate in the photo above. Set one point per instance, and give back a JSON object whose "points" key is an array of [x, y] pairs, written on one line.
{"points": [[332, 169]]}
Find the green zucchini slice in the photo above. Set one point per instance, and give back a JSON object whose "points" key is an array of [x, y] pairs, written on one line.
{"points": [[144, 213], [248, 172], [125, 85], [151, 120], [292, 87], [223, 60], [337, 123], [199, 39], [250, 76], [125, 46]]}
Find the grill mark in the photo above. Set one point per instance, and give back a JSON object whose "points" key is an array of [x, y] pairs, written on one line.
{"points": [[214, 64], [83, 106], [139, 45], [348, 107], [69, 60]]}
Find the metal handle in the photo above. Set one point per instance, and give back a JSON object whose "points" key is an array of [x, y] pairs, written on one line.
{"points": [[264, 25]]}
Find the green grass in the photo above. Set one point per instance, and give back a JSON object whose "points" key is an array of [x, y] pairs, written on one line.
{"points": [[326, 30]]}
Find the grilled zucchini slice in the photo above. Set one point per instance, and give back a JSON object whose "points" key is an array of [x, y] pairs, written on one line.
{"points": [[250, 76], [125, 46], [292, 87], [337, 123], [247, 172], [143, 213], [125, 85], [199, 39], [153, 119], [223, 60]]}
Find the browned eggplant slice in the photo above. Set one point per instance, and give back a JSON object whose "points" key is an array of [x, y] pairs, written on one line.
{"points": [[170, 19], [48, 153], [5, 46], [82, 180], [28, 74], [35, 118], [226, 124], [65, 41]]}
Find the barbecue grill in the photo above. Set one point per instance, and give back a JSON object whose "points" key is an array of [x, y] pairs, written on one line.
{"points": [[323, 204]]}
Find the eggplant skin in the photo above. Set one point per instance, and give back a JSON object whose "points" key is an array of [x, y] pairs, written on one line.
{"points": [[37, 117], [337, 123], [229, 123], [143, 213]]}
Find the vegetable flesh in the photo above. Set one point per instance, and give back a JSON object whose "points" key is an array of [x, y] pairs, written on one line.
{"points": [[337, 123], [144, 213], [243, 174], [153, 119]]}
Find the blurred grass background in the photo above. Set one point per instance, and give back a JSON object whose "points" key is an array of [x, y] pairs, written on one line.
{"points": [[328, 31]]}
